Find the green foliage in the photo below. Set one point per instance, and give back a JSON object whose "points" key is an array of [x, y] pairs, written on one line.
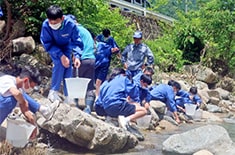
{"points": [[218, 17], [210, 29], [167, 56], [93, 14], [189, 39]]}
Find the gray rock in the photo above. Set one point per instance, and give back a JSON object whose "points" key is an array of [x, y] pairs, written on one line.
{"points": [[213, 138], [86, 131]]}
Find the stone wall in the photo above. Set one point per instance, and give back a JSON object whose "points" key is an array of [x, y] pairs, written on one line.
{"points": [[148, 25]]}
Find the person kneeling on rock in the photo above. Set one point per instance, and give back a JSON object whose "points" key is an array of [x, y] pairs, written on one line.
{"points": [[113, 100]]}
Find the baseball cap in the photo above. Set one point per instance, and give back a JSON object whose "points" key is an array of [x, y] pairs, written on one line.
{"points": [[137, 34]]}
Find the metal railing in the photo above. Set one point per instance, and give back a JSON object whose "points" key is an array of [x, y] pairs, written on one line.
{"points": [[124, 5]]}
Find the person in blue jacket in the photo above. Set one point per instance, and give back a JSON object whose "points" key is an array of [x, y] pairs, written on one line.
{"points": [[107, 38], [190, 97], [113, 97], [147, 71], [166, 94], [60, 38], [87, 67], [144, 93], [103, 58], [106, 46], [145, 96], [99, 104]]}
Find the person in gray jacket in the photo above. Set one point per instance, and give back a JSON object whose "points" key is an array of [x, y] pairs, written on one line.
{"points": [[135, 54]]}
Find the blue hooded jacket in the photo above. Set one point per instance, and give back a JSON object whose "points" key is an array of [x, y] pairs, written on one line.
{"points": [[144, 93], [103, 54], [164, 93], [117, 90], [63, 40]]}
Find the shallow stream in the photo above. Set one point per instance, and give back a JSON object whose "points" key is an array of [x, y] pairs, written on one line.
{"points": [[152, 145]]}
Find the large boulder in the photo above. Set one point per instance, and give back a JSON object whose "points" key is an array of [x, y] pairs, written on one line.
{"points": [[87, 131], [23, 45], [213, 138], [206, 75]]}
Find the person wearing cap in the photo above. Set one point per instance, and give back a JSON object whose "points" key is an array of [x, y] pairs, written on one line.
{"points": [[134, 55], [60, 38]]}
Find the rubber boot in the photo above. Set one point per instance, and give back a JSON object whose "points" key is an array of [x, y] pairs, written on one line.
{"points": [[89, 101]]}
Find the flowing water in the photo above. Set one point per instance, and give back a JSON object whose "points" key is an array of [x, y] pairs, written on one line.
{"points": [[152, 145]]}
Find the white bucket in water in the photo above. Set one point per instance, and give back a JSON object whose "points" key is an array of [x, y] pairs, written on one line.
{"points": [[190, 109], [77, 87], [144, 121], [18, 132]]}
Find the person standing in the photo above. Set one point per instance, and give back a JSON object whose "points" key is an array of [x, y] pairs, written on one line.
{"points": [[106, 46], [87, 67], [60, 38], [134, 55]]}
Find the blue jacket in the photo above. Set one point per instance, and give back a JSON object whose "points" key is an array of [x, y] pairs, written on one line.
{"points": [[62, 41], [1, 13], [117, 91], [144, 93], [164, 93], [110, 41], [186, 99], [88, 50], [103, 54]]}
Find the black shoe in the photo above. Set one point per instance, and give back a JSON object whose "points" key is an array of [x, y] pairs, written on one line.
{"points": [[135, 132]]}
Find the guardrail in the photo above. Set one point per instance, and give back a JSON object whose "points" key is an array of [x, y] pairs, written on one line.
{"points": [[140, 10]]}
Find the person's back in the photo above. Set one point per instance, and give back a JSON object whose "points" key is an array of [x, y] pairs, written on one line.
{"points": [[166, 94], [107, 38], [118, 90], [88, 51], [103, 54], [162, 92]]}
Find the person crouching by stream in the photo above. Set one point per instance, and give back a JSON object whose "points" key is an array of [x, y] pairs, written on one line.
{"points": [[15, 90], [112, 102], [166, 94]]}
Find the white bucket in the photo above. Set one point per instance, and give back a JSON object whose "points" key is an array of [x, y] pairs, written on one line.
{"points": [[77, 87], [144, 121], [197, 115], [190, 109], [18, 132]]}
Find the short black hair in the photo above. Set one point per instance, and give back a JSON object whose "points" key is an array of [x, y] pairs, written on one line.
{"points": [[106, 32], [115, 72], [193, 90], [32, 73], [176, 85], [149, 69], [146, 79], [171, 82], [54, 12], [92, 33]]}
